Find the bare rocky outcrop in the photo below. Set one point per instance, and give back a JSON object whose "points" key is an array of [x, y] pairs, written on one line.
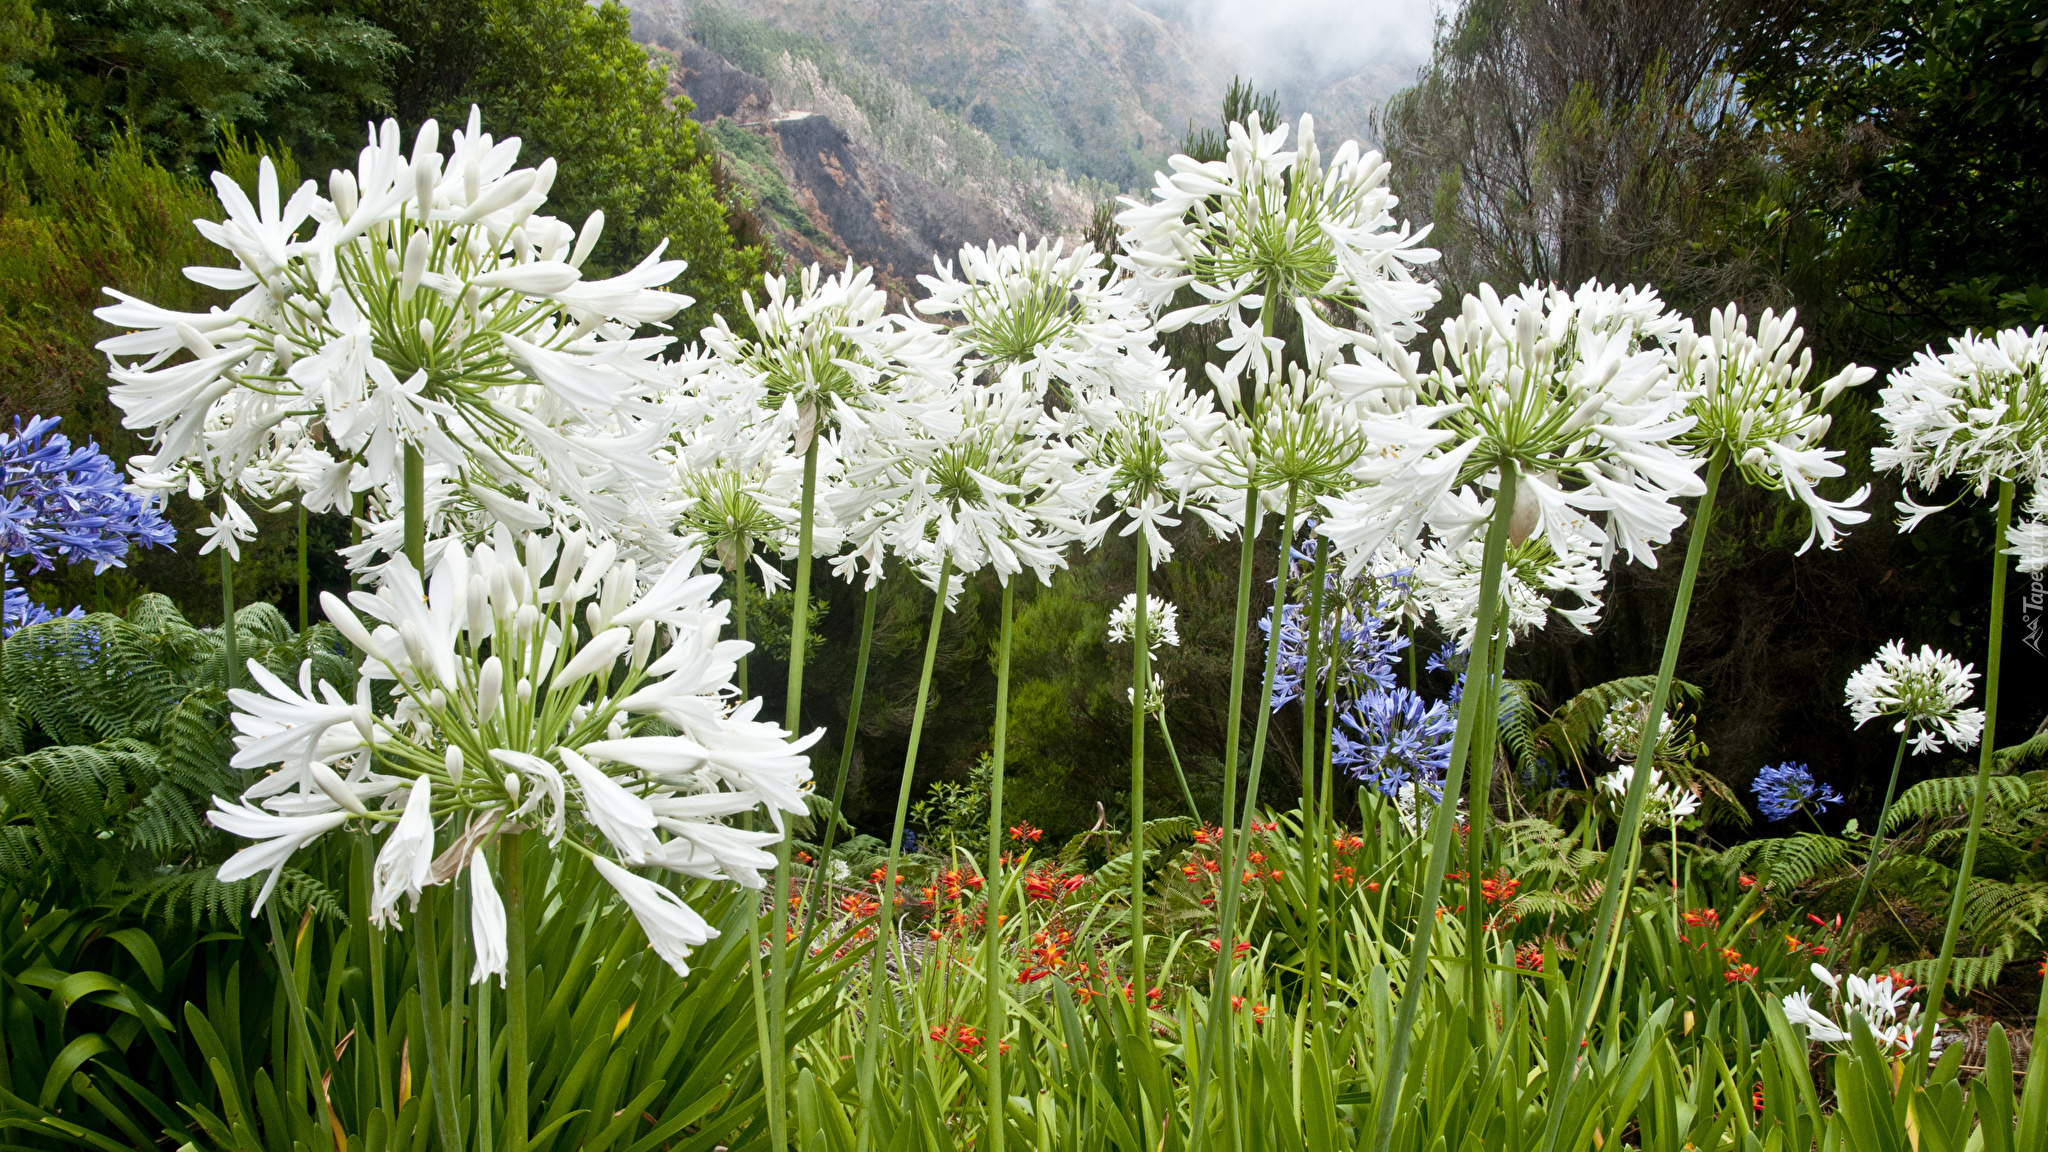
{"points": [[821, 194]]}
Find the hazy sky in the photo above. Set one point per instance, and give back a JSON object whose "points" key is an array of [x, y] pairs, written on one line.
{"points": [[1277, 41]]}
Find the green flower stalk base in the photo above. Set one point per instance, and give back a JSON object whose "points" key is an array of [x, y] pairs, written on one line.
{"points": [[1621, 863], [1441, 825], [997, 1023], [1986, 757]]}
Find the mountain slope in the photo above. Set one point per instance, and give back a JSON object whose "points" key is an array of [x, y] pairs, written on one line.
{"points": [[828, 186], [1096, 88]]}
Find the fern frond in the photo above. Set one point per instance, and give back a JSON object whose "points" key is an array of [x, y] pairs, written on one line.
{"points": [[1792, 860], [1951, 796]]}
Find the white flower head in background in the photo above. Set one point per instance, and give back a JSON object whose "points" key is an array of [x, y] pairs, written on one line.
{"points": [[1880, 1002], [596, 699], [1751, 401], [1924, 689], [1041, 312], [994, 494], [1269, 227], [1534, 581], [1665, 803], [1975, 412], [1162, 622], [428, 306], [826, 354]]}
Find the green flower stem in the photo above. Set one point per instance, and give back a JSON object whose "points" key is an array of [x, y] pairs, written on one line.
{"points": [[1986, 757], [1221, 1038], [997, 1023], [304, 616], [885, 918], [1441, 825], [481, 1013], [1326, 821], [227, 605], [860, 685], [300, 1034], [1234, 849], [763, 1037], [1141, 688], [1478, 827], [1877, 835], [1311, 809], [510, 863], [778, 931], [1620, 862], [416, 510], [1187, 794]]}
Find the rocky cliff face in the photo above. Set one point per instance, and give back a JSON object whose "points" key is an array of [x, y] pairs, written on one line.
{"points": [[823, 196]]}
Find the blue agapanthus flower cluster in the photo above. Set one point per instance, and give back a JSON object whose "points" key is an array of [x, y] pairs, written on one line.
{"points": [[20, 612], [63, 503], [1355, 633], [1391, 736], [1788, 789]]}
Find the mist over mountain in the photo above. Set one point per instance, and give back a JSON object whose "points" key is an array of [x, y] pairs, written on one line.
{"points": [[1104, 89]]}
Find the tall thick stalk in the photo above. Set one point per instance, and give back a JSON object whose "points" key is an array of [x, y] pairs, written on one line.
{"points": [[1621, 858], [1234, 848], [1877, 833], [997, 1023], [1986, 757], [1387, 1100], [1311, 823], [510, 863], [1478, 828], [1141, 688], [885, 916], [860, 687], [230, 666], [778, 926], [1221, 1038]]}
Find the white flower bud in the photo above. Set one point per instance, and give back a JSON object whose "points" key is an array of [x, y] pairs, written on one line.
{"points": [[452, 761], [587, 239], [512, 786], [490, 687], [336, 790], [341, 188], [415, 265], [523, 691], [643, 644]]}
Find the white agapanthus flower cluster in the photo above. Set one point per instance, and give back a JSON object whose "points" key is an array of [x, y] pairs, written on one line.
{"points": [[1880, 1001], [1665, 803], [1268, 227], [1752, 405], [533, 680], [1042, 314], [1123, 440], [1445, 583], [994, 492], [1924, 689], [826, 354], [1576, 389], [1162, 621], [1975, 412], [424, 303]]}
